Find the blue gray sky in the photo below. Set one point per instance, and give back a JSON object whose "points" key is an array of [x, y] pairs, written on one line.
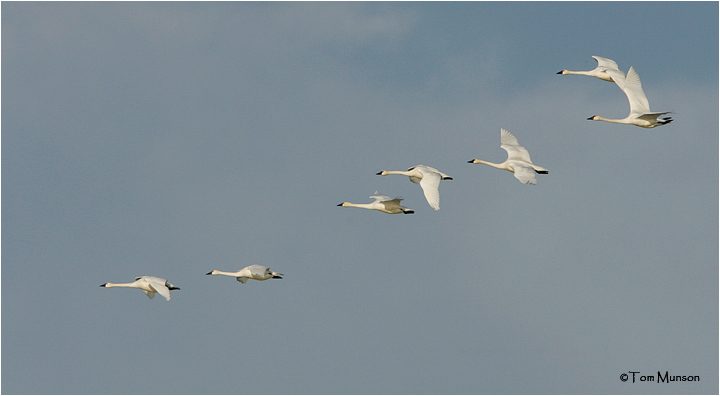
{"points": [[171, 139]]}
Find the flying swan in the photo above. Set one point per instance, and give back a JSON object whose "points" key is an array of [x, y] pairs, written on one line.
{"points": [[149, 284], [429, 179], [640, 114], [518, 161], [601, 71], [383, 203], [257, 272]]}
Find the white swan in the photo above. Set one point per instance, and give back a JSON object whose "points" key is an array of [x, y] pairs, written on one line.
{"points": [[601, 71], [257, 272], [382, 203], [640, 113], [149, 284], [428, 178], [518, 161]]}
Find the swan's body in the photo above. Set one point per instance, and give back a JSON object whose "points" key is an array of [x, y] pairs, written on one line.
{"points": [[428, 178], [257, 272], [601, 71], [149, 284], [518, 161], [383, 203], [640, 114]]}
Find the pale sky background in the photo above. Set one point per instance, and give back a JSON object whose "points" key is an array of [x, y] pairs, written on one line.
{"points": [[171, 139]]}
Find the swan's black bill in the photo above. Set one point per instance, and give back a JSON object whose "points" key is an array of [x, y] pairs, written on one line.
{"points": [[339, 204], [103, 285], [209, 273], [560, 72], [379, 173]]}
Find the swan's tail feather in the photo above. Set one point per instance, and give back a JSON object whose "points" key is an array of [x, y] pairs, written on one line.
{"points": [[540, 170]]}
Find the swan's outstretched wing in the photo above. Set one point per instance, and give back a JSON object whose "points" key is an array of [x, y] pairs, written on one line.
{"points": [[380, 197], [618, 77], [633, 89], [515, 151], [605, 63], [149, 278], [258, 271], [392, 205], [525, 174], [430, 184], [158, 286]]}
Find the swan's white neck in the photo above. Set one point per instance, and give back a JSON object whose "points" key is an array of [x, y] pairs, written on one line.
{"points": [[131, 284], [603, 75], [216, 272], [615, 120], [494, 165], [580, 73], [404, 173], [356, 205]]}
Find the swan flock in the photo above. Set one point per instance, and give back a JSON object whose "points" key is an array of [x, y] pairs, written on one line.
{"points": [[428, 178]]}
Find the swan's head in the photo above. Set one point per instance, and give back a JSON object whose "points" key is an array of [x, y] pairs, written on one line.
{"points": [[593, 118], [211, 272], [562, 72], [473, 161], [103, 285], [344, 203], [382, 173]]}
